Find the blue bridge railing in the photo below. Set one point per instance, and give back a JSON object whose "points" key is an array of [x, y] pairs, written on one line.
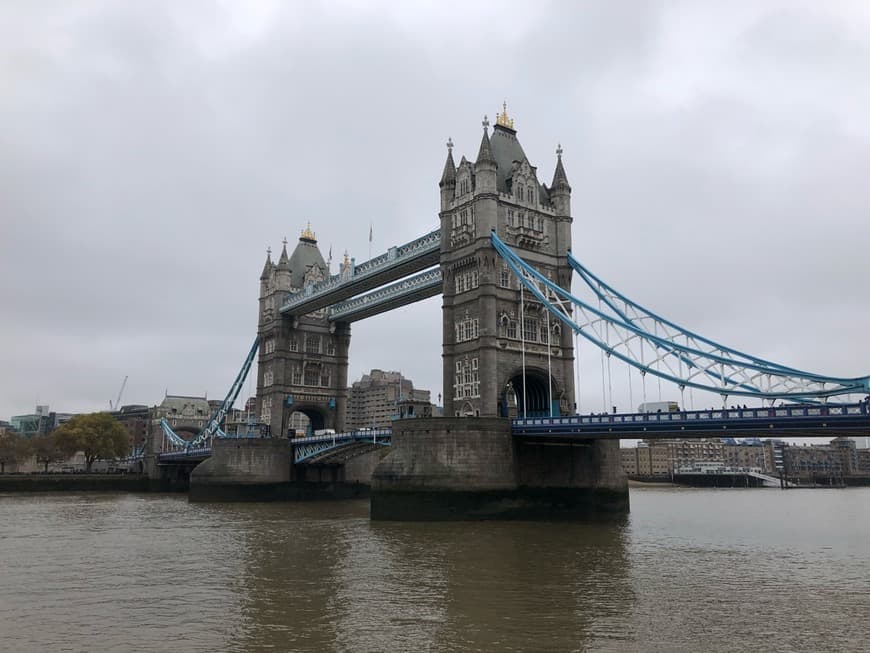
{"points": [[792, 420]]}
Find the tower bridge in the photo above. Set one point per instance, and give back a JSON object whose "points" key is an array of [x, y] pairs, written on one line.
{"points": [[508, 444]]}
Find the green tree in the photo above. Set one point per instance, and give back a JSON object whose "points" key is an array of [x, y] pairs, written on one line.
{"points": [[97, 435], [14, 448], [46, 450]]}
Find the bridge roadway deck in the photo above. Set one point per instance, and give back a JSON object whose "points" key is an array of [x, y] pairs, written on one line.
{"points": [[311, 449], [396, 263], [785, 421], [780, 422]]}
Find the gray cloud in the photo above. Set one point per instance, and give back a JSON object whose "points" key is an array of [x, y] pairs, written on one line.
{"points": [[150, 152]]}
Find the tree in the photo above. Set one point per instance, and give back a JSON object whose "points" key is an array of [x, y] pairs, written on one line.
{"points": [[97, 435], [46, 450], [14, 447]]}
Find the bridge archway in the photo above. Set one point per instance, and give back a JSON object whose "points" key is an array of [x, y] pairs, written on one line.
{"points": [[536, 395], [305, 421]]}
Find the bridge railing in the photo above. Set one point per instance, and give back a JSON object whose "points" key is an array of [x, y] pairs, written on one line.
{"points": [[199, 452], [305, 448], [362, 434], [409, 286], [780, 412]]}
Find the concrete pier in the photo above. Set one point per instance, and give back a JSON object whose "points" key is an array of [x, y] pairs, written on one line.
{"points": [[261, 469], [241, 468], [473, 468]]}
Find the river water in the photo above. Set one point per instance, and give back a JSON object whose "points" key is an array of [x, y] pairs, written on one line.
{"points": [[689, 570]]}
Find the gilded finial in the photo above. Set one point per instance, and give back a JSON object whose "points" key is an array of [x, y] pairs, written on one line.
{"points": [[346, 258], [559, 150], [502, 118], [307, 234], [450, 145]]}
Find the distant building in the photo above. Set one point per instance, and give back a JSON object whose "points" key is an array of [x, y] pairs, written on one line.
{"points": [[40, 422], [136, 418], [186, 415], [660, 458], [377, 399]]}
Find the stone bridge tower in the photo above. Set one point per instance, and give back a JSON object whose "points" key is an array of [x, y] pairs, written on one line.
{"points": [[302, 364], [489, 323]]}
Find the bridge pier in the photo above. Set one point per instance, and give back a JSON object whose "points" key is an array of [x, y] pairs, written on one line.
{"points": [[242, 469], [443, 469]]}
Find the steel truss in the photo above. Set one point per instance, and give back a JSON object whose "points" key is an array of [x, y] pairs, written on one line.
{"points": [[305, 448], [627, 331]]}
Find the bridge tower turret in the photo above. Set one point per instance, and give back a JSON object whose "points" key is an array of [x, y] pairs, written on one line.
{"points": [[503, 354], [302, 364]]}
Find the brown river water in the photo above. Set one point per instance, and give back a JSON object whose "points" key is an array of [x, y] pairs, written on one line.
{"points": [[688, 570]]}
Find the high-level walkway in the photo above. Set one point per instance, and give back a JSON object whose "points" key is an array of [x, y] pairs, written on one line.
{"points": [[394, 264]]}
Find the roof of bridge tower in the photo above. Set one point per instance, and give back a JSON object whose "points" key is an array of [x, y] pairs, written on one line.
{"points": [[505, 148], [485, 152], [449, 175], [304, 256], [267, 268], [560, 179], [283, 262]]}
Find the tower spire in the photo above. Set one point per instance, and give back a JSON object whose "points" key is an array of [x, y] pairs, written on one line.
{"points": [[560, 179], [267, 268], [502, 120], [448, 177], [484, 154], [283, 261]]}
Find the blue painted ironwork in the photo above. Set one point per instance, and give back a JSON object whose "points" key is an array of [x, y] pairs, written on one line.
{"points": [[185, 455], [427, 245], [306, 448], [303, 448], [797, 420], [712, 368], [212, 427], [426, 284]]}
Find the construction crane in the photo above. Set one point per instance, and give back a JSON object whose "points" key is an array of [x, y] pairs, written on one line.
{"points": [[117, 404]]}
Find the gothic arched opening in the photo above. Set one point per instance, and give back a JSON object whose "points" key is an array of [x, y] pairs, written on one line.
{"points": [[303, 422], [534, 400]]}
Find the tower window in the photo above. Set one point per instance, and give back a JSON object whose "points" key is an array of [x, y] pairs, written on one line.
{"points": [[504, 279], [312, 344]]}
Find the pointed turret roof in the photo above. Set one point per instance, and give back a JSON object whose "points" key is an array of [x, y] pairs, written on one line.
{"points": [[448, 177], [305, 255], [283, 261], [560, 179], [484, 154], [267, 268], [506, 149]]}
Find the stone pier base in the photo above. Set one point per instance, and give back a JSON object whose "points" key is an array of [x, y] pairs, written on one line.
{"points": [[242, 469], [472, 468]]}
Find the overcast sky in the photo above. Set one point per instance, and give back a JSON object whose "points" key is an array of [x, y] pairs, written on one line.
{"points": [[150, 152]]}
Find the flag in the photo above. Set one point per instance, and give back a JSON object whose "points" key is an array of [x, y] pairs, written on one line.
{"points": [[370, 232]]}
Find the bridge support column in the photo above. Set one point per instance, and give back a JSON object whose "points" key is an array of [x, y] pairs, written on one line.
{"points": [[242, 469], [473, 468]]}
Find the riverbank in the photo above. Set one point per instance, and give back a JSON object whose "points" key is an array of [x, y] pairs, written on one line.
{"points": [[86, 483]]}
